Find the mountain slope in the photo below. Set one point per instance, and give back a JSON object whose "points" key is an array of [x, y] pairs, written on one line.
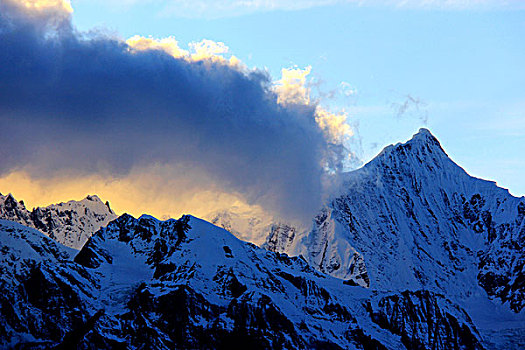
{"points": [[266, 232], [143, 283], [412, 219], [70, 223], [42, 292], [420, 221]]}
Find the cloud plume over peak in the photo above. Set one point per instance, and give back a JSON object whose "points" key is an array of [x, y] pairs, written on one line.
{"points": [[97, 106]]}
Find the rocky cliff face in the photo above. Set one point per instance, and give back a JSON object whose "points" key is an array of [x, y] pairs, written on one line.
{"points": [[423, 320], [416, 220], [143, 283], [412, 219], [11, 209], [43, 294], [70, 224]]}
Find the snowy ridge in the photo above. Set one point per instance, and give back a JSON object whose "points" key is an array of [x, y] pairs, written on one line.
{"points": [[145, 283], [256, 227], [42, 291], [70, 224], [243, 224], [412, 219], [11, 209]]}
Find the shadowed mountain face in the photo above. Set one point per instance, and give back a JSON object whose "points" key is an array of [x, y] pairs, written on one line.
{"points": [[143, 283]]}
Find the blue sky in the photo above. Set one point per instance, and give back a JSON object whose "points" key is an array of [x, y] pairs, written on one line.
{"points": [[457, 69]]}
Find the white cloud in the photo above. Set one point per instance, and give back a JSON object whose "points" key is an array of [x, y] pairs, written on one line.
{"points": [[347, 89], [232, 8], [45, 5], [204, 50], [293, 88], [47, 13]]}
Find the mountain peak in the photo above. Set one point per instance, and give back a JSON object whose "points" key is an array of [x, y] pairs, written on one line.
{"points": [[68, 223], [93, 198], [10, 201], [422, 139], [425, 137], [424, 132], [422, 149]]}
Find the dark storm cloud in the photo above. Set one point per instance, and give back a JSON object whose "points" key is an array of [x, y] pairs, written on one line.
{"points": [[72, 103]]}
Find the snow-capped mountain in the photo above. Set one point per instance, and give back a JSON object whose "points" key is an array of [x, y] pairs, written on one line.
{"points": [[70, 223], [412, 219], [421, 255], [243, 224], [266, 232], [144, 283]]}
